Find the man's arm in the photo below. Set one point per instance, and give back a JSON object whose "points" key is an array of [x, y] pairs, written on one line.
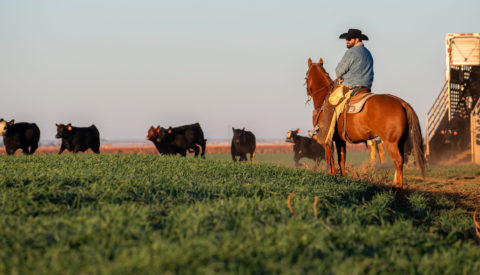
{"points": [[344, 66]]}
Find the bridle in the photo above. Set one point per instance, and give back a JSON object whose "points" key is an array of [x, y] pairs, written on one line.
{"points": [[310, 94]]}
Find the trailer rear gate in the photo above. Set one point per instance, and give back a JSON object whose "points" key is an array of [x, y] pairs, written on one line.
{"points": [[450, 129]]}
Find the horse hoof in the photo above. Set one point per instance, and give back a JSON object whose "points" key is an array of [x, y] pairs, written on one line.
{"points": [[396, 190]]}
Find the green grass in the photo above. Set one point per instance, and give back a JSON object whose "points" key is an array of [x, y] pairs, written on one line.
{"points": [[286, 159], [120, 214]]}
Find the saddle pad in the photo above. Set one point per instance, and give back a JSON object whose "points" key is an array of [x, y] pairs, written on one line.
{"points": [[356, 103]]}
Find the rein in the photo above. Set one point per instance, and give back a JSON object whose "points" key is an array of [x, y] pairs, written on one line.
{"points": [[318, 90], [310, 94]]}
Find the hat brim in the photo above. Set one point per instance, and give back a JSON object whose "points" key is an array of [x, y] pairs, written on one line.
{"points": [[350, 36]]}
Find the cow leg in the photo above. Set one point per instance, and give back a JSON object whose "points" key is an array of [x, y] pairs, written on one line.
{"points": [[296, 158], [252, 156], [381, 152], [234, 158], [25, 150], [11, 151], [372, 144], [243, 157], [204, 146], [96, 149], [33, 148], [197, 151], [62, 148], [317, 163]]}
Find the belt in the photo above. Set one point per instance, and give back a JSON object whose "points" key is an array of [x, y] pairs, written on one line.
{"points": [[355, 87]]}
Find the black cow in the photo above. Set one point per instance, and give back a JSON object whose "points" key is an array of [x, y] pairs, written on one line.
{"points": [[162, 147], [78, 139], [20, 135], [178, 140], [305, 147], [243, 143]]}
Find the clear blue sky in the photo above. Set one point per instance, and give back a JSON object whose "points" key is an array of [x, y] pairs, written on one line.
{"points": [[126, 65]]}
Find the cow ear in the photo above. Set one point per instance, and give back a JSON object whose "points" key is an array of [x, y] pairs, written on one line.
{"points": [[169, 131], [243, 129], [309, 62], [158, 129], [69, 127], [298, 131], [12, 122], [1, 119], [320, 61]]}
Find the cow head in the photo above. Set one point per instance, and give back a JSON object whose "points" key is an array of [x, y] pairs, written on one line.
{"points": [[163, 134], [4, 126], [152, 133], [63, 130], [157, 134], [239, 136], [291, 134]]}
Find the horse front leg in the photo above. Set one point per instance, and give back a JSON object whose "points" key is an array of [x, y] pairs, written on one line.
{"points": [[329, 158], [341, 155]]}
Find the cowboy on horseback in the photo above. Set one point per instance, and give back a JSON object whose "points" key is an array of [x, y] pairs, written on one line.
{"points": [[354, 73]]}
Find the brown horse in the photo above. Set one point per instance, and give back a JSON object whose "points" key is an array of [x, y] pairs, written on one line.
{"points": [[385, 116]]}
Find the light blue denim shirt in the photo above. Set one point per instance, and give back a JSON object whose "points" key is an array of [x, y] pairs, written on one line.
{"points": [[356, 67]]}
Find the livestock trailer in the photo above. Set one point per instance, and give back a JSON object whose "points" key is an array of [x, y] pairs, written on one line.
{"points": [[453, 122]]}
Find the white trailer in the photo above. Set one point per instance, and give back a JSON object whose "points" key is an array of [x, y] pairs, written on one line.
{"points": [[449, 133]]}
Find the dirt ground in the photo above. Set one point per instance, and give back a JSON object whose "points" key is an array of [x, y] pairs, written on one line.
{"points": [[461, 189]]}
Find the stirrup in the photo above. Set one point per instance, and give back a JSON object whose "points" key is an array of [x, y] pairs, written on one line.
{"points": [[313, 132]]}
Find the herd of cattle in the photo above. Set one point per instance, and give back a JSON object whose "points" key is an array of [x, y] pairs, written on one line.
{"points": [[170, 141]]}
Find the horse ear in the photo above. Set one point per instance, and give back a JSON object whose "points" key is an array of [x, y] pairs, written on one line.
{"points": [[309, 62], [320, 61]]}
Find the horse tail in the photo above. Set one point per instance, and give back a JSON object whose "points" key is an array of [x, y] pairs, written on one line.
{"points": [[414, 140]]}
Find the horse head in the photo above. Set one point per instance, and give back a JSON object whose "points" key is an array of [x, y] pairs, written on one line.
{"points": [[318, 82]]}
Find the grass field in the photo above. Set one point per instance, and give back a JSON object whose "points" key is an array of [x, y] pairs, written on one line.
{"points": [[151, 214]]}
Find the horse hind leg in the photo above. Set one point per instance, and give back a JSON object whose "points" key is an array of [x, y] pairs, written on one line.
{"points": [[397, 157]]}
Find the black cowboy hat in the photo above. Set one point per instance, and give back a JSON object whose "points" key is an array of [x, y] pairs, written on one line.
{"points": [[353, 33]]}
